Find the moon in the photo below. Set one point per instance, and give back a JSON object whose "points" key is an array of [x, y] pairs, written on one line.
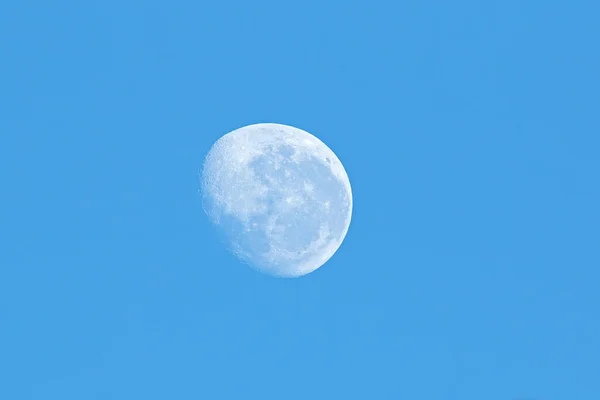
{"points": [[279, 197]]}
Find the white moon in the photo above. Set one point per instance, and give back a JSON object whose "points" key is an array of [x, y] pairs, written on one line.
{"points": [[279, 195]]}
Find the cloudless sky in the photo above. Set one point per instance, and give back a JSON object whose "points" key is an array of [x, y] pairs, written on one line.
{"points": [[470, 131]]}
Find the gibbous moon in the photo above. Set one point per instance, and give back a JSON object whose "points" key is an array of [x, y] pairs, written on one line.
{"points": [[279, 196]]}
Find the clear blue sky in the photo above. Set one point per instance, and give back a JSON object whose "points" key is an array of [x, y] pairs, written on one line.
{"points": [[471, 135]]}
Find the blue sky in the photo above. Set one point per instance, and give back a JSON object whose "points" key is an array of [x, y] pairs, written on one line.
{"points": [[470, 133]]}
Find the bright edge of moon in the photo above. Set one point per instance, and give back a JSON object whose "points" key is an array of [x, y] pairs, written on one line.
{"points": [[279, 197]]}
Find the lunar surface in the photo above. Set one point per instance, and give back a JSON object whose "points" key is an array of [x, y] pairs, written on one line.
{"points": [[279, 196]]}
